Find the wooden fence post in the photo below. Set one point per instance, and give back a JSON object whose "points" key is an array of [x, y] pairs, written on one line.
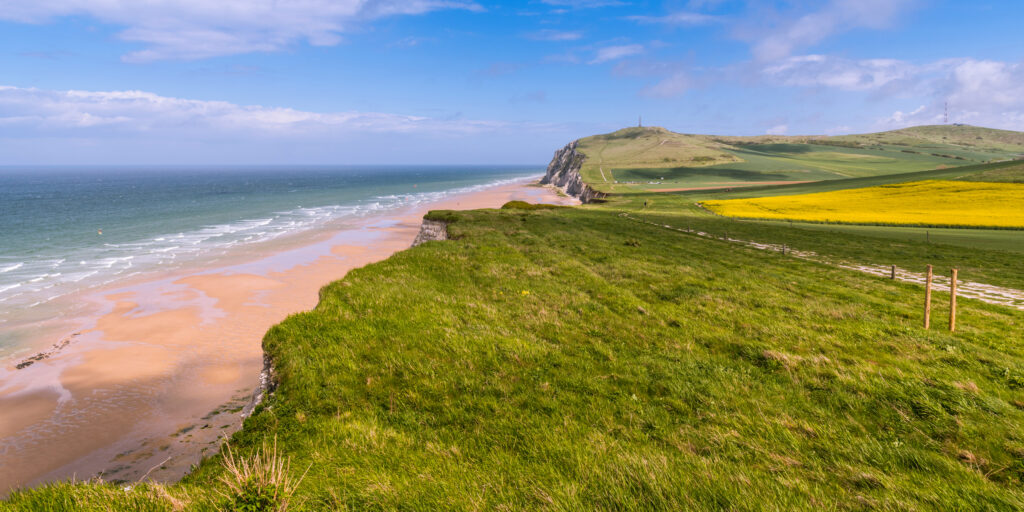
{"points": [[928, 299], [952, 301], [893, 275]]}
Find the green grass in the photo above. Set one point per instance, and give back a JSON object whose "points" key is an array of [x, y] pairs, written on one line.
{"points": [[995, 239], [1001, 171], [1013, 173], [784, 162], [572, 359], [994, 259], [645, 159], [972, 137], [990, 256], [645, 147]]}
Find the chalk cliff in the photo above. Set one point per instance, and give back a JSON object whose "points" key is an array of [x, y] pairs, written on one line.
{"points": [[564, 172]]}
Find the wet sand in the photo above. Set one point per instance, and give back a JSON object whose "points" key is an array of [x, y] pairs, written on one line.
{"points": [[169, 364]]}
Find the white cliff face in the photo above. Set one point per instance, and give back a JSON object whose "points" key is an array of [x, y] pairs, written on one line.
{"points": [[564, 172], [431, 230]]}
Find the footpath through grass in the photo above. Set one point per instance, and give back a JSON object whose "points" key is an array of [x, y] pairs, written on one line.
{"points": [[571, 359]]}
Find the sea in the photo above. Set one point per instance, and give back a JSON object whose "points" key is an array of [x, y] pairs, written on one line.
{"points": [[69, 230]]}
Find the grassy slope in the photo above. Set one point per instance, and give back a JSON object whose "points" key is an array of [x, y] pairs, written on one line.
{"points": [[1003, 170], [646, 147], [643, 370], [984, 139], [1002, 174], [639, 159], [990, 256], [978, 260], [973, 239]]}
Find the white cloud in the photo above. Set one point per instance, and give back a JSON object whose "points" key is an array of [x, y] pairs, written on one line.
{"points": [[900, 118], [671, 86], [985, 82], [610, 53], [24, 110], [980, 92], [779, 129], [983, 92], [41, 127], [792, 33], [196, 29], [585, 4], [837, 72], [682, 18], [554, 35]]}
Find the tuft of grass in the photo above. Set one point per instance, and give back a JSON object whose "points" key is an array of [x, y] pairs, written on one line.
{"points": [[259, 482]]}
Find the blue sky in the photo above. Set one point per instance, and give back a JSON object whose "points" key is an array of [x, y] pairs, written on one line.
{"points": [[463, 81]]}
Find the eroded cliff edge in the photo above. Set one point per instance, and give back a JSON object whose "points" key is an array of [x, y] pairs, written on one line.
{"points": [[564, 173], [431, 230]]}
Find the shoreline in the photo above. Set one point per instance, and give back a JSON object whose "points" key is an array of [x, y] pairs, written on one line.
{"points": [[169, 363]]}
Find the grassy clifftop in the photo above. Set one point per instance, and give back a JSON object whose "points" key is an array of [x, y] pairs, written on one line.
{"points": [[574, 359]]}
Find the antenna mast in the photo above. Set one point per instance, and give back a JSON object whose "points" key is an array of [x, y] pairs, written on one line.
{"points": [[640, 121], [945, 115]]}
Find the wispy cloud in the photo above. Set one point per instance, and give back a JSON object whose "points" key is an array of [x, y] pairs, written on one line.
{"points": [[837, 72], [196, 29], [497, 69], [610, 53], [671, 86], [553, 35], [984, 92], [981, 92], [26, 110], [585, 4], [681, 18], [778, 36], [530, 97]]}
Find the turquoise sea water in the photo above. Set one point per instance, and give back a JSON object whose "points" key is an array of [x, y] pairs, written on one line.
{"points": [[65, 230]]}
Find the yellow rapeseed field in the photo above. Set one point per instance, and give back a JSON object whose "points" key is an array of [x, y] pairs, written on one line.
{"points": [[921, 203]]}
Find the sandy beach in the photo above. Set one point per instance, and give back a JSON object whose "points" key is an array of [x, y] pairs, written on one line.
{"points": [[166, 366]]}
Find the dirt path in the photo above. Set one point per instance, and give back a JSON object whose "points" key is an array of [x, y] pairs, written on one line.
{"points": [[984, 292], [602, 173]]}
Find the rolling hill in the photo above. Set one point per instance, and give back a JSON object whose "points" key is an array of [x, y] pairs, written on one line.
{"points": [[655, 159]]}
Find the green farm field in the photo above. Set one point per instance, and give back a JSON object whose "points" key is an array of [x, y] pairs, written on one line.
{"points": [[653, 159], [998, 239]]}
